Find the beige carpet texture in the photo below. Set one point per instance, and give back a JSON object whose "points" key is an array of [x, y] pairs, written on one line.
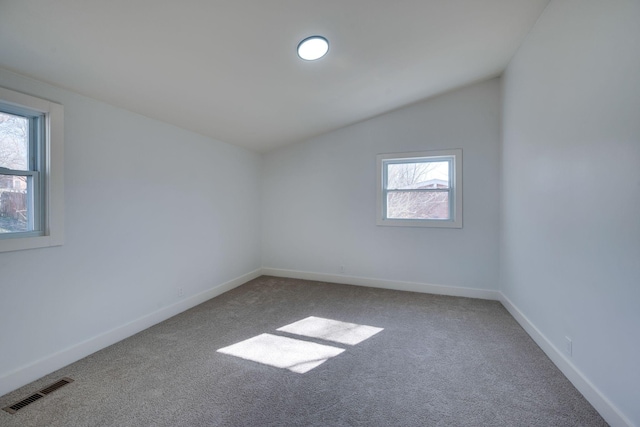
{"points": [[285, 352]]}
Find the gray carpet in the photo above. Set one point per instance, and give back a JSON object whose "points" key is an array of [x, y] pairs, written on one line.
{"points": [[440, 361]]}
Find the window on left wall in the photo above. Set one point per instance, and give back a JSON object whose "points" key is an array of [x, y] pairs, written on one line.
{"points": [[31, 186]]}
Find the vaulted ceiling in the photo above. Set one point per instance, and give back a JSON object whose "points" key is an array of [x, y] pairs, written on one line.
{"points": [[228, 69]]}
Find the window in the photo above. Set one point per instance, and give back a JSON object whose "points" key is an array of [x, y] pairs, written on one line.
{"points": [[420, 189], [31, 187]]}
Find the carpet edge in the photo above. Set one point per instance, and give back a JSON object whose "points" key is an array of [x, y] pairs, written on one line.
{"points": [[48, 364], [599, 401], [396, 285]]}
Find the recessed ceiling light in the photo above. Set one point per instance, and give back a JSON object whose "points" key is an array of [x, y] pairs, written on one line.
{"points": [[312, 48]]}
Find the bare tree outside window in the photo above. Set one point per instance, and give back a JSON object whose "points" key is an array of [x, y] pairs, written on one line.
{"points": [[14, 155], [418, 190], [31, 172]]}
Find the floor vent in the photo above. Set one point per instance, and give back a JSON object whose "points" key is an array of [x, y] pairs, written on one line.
{"points": [[53, 387], [12, 409]]}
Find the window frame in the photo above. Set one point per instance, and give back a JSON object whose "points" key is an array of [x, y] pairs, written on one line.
{"points": [[46, 156], [453, 156]]}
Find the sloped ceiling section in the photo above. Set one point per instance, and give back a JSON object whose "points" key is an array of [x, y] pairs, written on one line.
{"points": [[228, 68]]}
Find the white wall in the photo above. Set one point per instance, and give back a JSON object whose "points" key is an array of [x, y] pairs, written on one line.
{"points": [[569, 252], [570, 246], [149, 208], [320, 197]]}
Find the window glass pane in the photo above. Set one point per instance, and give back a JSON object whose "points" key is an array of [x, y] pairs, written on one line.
{"points": [[13, 204], [14, 142], [412, 176], [418, 205]]}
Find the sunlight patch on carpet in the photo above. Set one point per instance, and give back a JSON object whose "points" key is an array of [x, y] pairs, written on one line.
{"points": [[331, 330], [287, 353]]}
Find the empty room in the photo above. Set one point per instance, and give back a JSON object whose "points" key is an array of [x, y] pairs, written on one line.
{"points": [[304, 213]]}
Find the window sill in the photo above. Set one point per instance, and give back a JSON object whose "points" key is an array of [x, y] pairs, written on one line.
{"points": [[419, 223]]}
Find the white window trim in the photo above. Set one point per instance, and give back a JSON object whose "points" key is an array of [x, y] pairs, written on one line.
{"points": [[456, 185], [53, 226]]}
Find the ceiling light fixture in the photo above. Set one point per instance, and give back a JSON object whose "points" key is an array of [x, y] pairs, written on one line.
{"points": [[312, 48]]}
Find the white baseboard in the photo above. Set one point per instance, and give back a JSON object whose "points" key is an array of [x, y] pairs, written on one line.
{"points": [[603, 405], [385, 284], [62, 358], [609, 412], [44, 366]]}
